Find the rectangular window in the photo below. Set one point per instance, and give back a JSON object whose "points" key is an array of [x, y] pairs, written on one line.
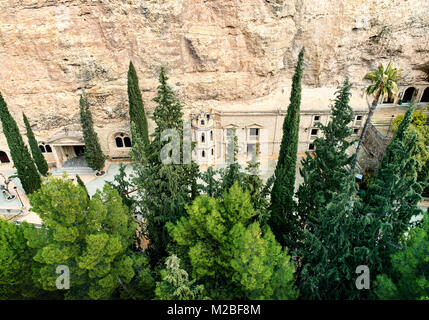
{"points": [[314, 132], [356, 131], [358, 118], [316, 118], [254, 132], [311, 146]]}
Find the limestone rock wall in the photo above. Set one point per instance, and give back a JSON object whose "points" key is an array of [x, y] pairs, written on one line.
{"points": [[214, 50]]}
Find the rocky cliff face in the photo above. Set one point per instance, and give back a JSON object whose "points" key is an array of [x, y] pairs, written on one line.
{"points": [[214, 50]]}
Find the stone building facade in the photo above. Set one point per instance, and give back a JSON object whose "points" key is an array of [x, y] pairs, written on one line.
{"points": [[258, 126]]}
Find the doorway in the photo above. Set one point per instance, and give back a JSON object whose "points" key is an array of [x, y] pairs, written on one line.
{"points": [[79, 150]]}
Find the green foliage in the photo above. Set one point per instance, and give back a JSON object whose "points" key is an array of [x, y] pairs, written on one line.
{"points": [[284, 222], [215, 182], [93, 155], [123, 184], [136, 106], [340, 240], [38, 157], [211, 185], [229, 253], [82, 184], [16, 263], [142, 286], [163, 189], [410, 268], [384, 82], [394, 195], [22, 160], [329, 212], [91, 236], [175, 284], [326, 172], [417, 125]]}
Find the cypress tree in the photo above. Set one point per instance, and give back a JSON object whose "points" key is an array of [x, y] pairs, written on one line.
{"points": [[38, 157], [283, 221], [93, 155], [325, 173], [136, 106], [394, 195], [163, 189], [21, 157], [82, 184]]}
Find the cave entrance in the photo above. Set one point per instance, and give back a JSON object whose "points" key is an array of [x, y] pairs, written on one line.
{"points": [[425, 96], [3, 157], [408, 94]]}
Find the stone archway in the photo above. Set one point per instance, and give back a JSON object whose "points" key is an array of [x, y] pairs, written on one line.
{"points": [[425, 96], [408, 95]]}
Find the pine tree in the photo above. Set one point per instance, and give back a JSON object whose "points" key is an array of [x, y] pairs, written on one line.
{"points": [[284, 221], [93, 155], [229, 253], [163, 188], [410, 274], [325, 172], [25, 167], [93, 237], [16, 262], [38, 157], [136, 106]]}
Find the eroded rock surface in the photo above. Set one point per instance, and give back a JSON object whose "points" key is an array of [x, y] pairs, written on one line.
{"points": [[215, 51]]}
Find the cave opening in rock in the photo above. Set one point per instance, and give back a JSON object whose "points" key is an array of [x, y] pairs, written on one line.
{"points": [[425, 96], [3, 157], [408, 94]]}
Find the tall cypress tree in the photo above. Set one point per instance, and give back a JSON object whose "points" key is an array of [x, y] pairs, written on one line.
{"points": [[136, 106], [38, 157], [21, 157], [325, 173], [93, 155], [283, 221], [163, 189]]}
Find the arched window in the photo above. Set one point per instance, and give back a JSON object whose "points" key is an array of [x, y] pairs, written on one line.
{"points": [[42, 148], [119, 142], [425, 96], [408, 94], [203, 154], [211, 135], [203, 137], [48, 148], [3, 157], [202, 122], [127, 142]]}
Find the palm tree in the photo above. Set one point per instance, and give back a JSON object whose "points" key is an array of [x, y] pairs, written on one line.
{"points": [[384, 84]]}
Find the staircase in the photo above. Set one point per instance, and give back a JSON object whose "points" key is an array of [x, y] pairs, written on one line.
{"points": [[74, 166]]}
